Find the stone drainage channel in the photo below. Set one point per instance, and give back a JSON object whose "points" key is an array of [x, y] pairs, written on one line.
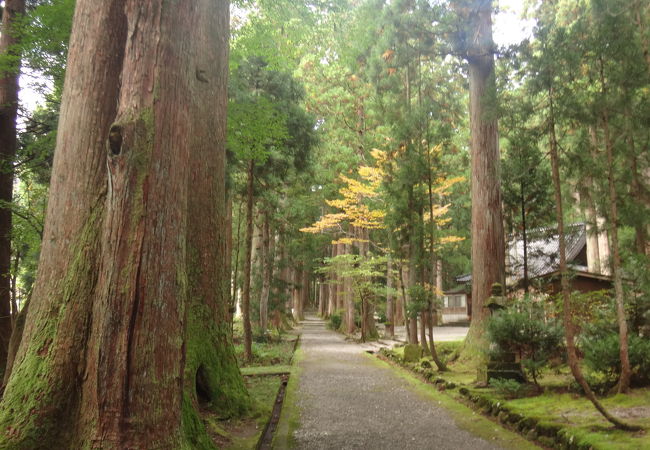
{"points": [[266, 438]]}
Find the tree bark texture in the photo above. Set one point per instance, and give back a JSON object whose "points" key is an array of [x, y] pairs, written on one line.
{"points": [[8, 113], [488, 247], [126, 330]]}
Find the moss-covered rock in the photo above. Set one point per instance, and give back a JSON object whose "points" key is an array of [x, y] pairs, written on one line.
{"points": [[412, 353]]}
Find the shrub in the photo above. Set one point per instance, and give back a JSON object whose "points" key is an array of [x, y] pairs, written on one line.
{"points": [[509, 389], [261, 335], [522, 329], [601, 355], [336, 320]]}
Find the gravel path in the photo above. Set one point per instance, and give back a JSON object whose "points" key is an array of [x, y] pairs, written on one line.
{"points": [[348, 402]]}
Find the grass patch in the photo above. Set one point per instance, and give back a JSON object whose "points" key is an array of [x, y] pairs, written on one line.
{"points": [[267, 353]]}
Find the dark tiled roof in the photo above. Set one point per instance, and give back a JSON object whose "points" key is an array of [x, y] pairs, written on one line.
{"points": [[543, 252]]}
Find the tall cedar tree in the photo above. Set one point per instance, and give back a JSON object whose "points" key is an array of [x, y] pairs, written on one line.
{"points": [[131, 269], [488, 247], [8, 113]]}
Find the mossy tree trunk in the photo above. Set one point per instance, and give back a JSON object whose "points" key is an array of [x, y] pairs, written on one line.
{"points": [[126, 330], [13, 9]]}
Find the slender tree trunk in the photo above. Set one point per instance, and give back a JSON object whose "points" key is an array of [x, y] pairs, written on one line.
{"points": [[626, 371], [423, 331], [390, 304], [267, 271], [569, 326], [228, 261], [332, 306], [13, 9], [248, 264], [348, 294], [488, 247], [305, 293], [14, 288], [340, 287], [322, 298], [412, 281], [296, 295], [368, 315], [640, 230], [434, 354], [407, 324], [524, 233], [235, 271], [439, 292]]}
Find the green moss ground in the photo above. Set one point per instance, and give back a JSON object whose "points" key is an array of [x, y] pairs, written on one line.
{"points": [[558, 408]]}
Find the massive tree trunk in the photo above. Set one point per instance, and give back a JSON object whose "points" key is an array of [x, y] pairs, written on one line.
{"points": [[8, 113], [488, 247], [111, 353]]}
